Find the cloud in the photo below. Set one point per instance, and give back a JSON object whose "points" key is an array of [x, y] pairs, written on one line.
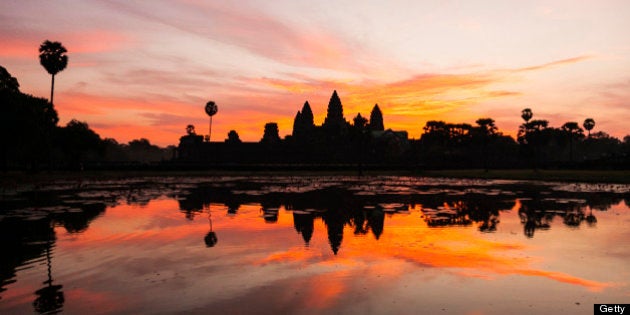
{"points": [[553, 64], [253, 30], [25, 45], [174, 99]]}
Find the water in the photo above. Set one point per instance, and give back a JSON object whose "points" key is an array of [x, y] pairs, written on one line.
{"points": [[313, 245]]}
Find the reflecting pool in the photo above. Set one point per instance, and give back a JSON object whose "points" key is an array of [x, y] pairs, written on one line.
{"points": [[319, 244]]}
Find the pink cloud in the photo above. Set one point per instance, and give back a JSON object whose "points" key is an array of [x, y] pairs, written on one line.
{"points": [[255, 31], [25, 45]]}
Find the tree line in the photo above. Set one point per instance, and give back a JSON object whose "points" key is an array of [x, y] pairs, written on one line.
{"points": [[538, 145], [31, 138]]}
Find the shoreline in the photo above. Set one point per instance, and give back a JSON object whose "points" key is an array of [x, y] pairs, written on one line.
{"points": [[589, 176]]}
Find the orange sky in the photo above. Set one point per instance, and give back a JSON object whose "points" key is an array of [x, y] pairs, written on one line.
{"points": [[147, 69]]}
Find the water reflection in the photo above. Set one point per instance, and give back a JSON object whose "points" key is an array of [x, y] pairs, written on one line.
{"points": [[358, 207], [50, 298], [211, 238]]}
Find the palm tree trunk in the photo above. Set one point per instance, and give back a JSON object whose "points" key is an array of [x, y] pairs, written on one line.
{"points": [[47, 132], [210, 129], [52, 89]]}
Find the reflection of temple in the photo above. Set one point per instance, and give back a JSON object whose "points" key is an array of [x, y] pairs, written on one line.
{"points": [[338, 208], [371, 218], [303, 223], [335, 141], [335, 221]]}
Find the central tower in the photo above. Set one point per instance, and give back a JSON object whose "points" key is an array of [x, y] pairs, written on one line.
{"points": [[334, 115]]}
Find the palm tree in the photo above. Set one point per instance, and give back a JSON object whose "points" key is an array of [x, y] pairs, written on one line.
{"points": [[52, 56], [573, 130], [211, 110], [588, 124], [527, 114], [190, 130], [523, 136]]}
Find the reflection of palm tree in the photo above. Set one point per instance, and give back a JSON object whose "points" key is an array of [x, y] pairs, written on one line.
{"points": [[529, 228], [211, 238], [533, 219], [52, 56], [591, 219], [573, 217], [50, 298]]}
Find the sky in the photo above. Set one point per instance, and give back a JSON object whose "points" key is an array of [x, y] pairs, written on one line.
{"points": [[145, 69]]}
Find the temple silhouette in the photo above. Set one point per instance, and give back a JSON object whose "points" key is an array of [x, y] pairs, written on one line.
{"points": [[336, 141], [32, 140]]}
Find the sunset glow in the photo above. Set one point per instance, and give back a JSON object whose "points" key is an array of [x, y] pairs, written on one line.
{"points": [[146, 69], [454, 249]]}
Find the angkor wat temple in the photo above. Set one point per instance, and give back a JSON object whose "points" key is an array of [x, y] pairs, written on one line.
{"points": [[336, 141]]}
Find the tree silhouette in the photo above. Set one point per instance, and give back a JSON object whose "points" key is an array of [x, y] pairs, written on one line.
{"points": [[533, 133], [486, 129], [7, 82], [27, 125], [211, 109], [527, 114], [233, 137], [376, 119], [486, 126], [190, 130], [573, 130], [52, 56], [588, 124], [78, 142]]}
